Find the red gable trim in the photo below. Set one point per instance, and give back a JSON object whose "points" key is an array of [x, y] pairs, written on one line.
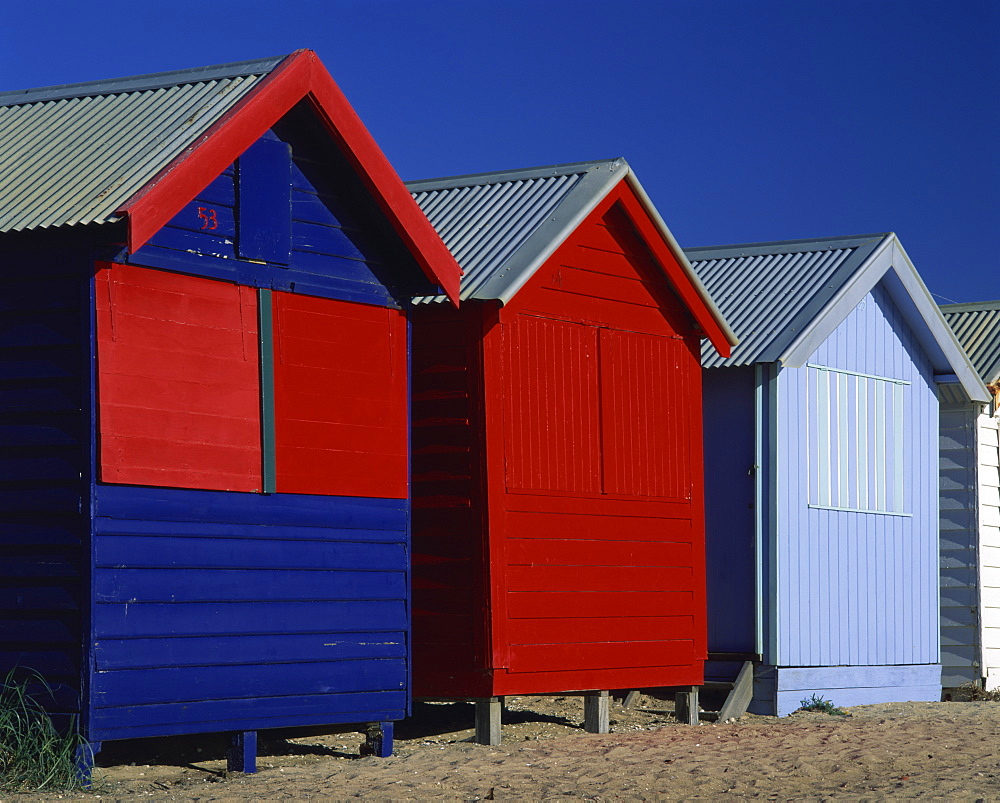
{"points": [[301, 75], [671, 265]]}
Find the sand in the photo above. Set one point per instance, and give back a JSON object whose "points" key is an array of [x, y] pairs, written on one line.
{"points": [[938, 750]]}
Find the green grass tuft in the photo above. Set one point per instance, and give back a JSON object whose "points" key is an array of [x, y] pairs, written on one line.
{"points": [[817, 703], [34, 755]]}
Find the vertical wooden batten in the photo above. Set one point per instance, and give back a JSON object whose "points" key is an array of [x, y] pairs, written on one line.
{"points": [[265, 313]]}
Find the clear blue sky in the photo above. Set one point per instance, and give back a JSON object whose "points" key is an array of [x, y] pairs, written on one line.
{"points": [[745, 120]]}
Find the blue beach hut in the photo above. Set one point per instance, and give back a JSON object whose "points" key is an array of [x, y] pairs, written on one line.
{"points": [[204, 438], [822, 470]]}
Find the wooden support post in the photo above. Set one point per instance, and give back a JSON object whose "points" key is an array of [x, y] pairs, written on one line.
{"points": [[378, 740], [488, 721], [84, 760], [630, 698], [595, 712], [686, 705], [242, 756], [742, 693]]}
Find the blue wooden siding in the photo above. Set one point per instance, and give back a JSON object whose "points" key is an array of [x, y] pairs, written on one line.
{"points": [[219, 611], [728, 395], [856, 588], [341, 245], [44, 453]]}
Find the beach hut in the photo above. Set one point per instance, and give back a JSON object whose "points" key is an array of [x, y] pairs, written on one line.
{"points": [[557, 487], [970, 508], [822, 477], [204, 515]]}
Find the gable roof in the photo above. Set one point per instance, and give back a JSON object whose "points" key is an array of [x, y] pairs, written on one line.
{"points": [[977, 327], [140, 148], [503, 226], [785, 298]]}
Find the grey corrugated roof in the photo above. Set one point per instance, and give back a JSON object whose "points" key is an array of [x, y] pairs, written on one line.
{"points": [[501, 226], [76, 153], [784, 299], [977, 327], [770, 292]]}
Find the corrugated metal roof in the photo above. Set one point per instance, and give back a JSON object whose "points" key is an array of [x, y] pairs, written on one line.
{"points": [[74, 154], [770, 292], [501, 226], [977, 327]]}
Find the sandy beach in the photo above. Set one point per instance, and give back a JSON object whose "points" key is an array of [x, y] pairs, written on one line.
{"points": [[937, 750]]}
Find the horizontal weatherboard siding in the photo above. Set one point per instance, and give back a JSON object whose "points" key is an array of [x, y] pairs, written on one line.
{"points": [[960, 550], [44, 453], [221, 611]]}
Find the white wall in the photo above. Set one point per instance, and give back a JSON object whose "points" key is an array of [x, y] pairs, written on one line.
{"points": [[989, 540]]}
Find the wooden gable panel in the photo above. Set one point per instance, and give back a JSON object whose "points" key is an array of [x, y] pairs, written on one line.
{"points": [[604, 274], [177, 381]]}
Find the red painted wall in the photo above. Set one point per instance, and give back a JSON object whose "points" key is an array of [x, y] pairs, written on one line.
{"points": [[340, 389], [589, 477], [177, 380], [450, 624]]}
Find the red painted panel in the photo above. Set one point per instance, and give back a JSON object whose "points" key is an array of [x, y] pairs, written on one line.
{"points": [[646, 414], [603, 519], [552, 413], [593, 552], [606, 655], [508, 683], [570, 605], [178, 386], [600, 629], [340, 398], [586, 579], [448, 534]]}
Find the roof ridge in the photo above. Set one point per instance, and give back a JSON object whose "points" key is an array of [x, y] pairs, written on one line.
{"points": [[140, 83], [520, 174], [846, 241], [970, 306]]}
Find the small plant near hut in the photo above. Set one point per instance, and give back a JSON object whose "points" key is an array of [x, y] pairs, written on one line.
{"points": [[975, 693], [817, 703], [34, 755]]}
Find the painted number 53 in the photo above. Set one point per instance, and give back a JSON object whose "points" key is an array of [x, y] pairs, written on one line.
{"points": [[208, 217]]}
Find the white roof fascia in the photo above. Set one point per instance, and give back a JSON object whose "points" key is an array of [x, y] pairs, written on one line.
{"points": [[937, 337], [937, 327], [680, 256], [593, 188], [839, 307]]}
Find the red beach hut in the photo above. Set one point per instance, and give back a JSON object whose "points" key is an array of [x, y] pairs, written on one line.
{"points": [[558, 522]]}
